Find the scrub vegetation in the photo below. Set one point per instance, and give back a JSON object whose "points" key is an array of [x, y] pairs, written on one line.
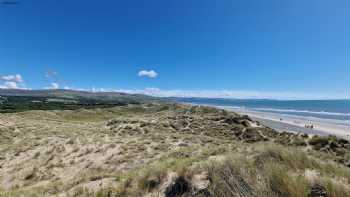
{"points": [[163, 149]]}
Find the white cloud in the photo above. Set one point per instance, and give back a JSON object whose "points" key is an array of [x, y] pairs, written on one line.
{"points": [[14, 78], [148, 73], [12, 82], [9, 85], [53, 86]]}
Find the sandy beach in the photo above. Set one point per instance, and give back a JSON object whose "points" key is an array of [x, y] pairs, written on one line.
{"points": [[297, 124]]}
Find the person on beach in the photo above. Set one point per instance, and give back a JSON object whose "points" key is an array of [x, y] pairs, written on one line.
{"points": [[309, 126]]}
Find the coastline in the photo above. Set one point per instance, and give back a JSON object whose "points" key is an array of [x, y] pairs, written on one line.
{"points": [[296, 124], [292, 123]]}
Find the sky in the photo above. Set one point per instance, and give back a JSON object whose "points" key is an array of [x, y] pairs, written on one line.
{"points": [[226, 48]]}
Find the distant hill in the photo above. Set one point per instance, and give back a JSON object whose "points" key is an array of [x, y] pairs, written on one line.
{"points": [[72, 94], [14, 100]]}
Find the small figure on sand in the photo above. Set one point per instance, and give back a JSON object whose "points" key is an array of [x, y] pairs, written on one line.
{"points": [[309, 126]]}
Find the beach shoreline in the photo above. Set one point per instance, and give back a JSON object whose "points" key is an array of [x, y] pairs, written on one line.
{"points": [[291, 123], [296, 124]]}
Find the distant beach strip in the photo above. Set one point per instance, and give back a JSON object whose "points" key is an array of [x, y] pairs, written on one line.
{"points": [[318, 121]]}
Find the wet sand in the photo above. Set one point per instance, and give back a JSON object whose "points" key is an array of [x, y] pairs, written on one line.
{"points": [[281, 126], [297, 124]]}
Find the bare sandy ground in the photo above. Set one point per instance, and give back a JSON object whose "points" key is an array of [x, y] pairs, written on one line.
{"points": [[297, 123]]}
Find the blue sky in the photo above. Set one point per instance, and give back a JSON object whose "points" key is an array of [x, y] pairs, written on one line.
{"points": [[226, 48]]}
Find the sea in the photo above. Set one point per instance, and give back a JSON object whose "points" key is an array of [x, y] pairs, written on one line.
{"points": [[337, 110]]}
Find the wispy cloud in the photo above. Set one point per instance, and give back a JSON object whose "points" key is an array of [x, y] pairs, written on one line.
{"points": [[55, 78], [148, 73], [51, 74]]}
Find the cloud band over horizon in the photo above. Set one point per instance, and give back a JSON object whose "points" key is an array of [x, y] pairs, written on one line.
{"points": [[234, 94], [16, 82]]}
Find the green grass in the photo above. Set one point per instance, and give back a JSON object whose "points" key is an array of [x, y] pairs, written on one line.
{"points": [[282, 174]]}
